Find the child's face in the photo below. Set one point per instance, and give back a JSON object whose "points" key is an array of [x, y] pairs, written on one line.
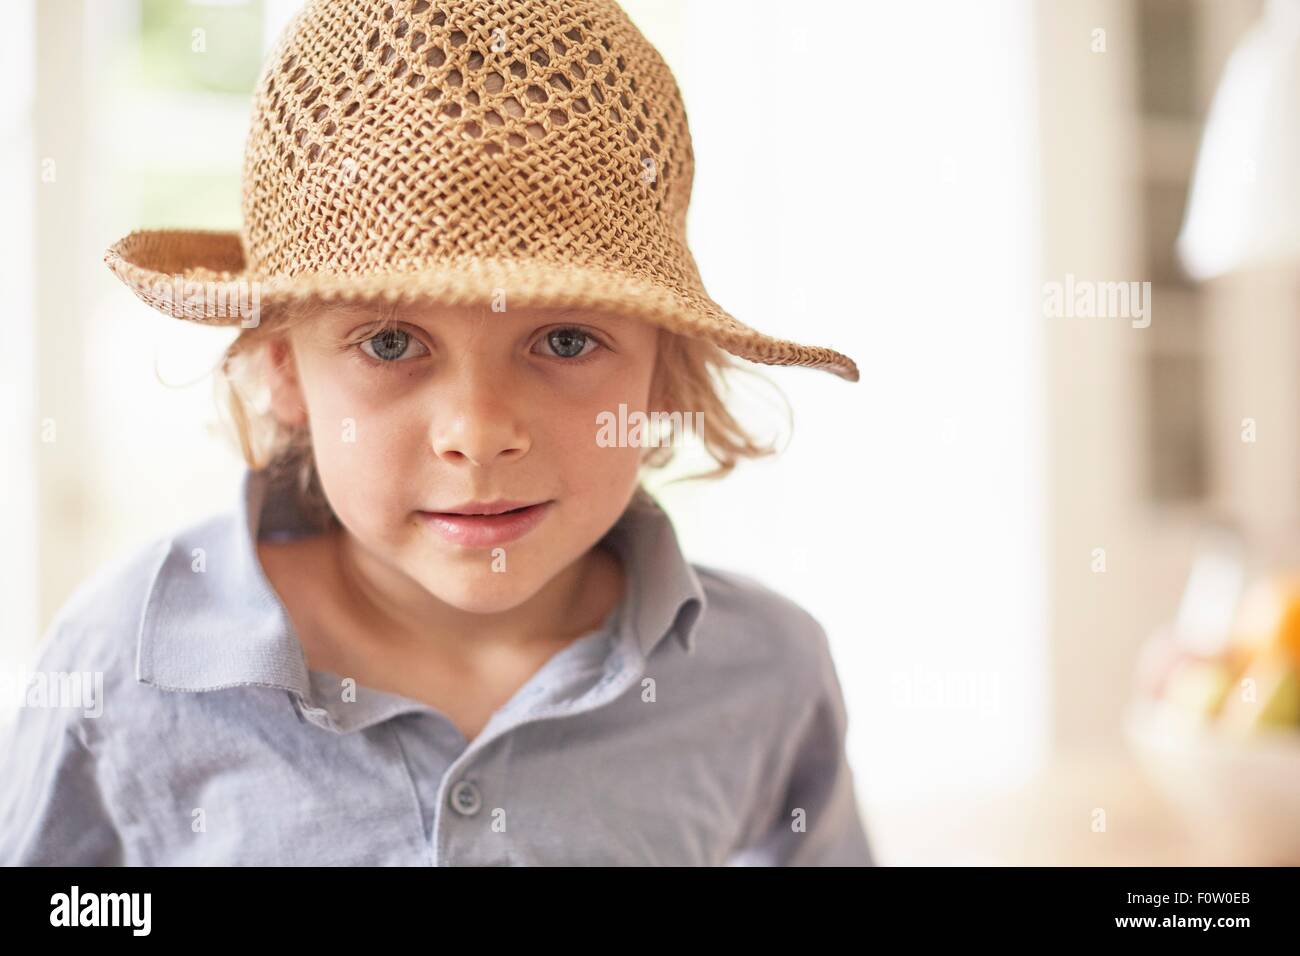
{"points": [[456, 405]]}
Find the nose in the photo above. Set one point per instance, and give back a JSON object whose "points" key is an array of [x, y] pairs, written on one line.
{"points": [[478, 421]]}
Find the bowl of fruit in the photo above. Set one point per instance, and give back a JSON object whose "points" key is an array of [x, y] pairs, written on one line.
{"points": [[1215, 717]]}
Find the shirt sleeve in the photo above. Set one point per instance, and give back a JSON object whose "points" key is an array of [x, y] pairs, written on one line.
{"points": [[818, 821], [52, 806]]}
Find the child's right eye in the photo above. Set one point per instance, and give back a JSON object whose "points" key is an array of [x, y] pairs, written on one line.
{"points": [[391, 345]]}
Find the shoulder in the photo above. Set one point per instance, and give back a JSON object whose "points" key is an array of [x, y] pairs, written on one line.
{"points": [[67, 697], [93, 627], [97, 626], [84, 657], [746, 620]]}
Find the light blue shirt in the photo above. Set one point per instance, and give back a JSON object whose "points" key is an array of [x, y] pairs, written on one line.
{"points": [[703, 724]]}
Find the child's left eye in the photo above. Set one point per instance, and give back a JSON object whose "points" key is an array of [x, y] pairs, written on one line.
{"points": [[568, 344], [391, 345]]}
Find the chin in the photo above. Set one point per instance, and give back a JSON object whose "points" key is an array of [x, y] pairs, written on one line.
{"points": [[481, 591]]}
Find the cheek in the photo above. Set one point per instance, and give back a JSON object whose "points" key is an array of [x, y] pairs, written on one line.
{"points": [[592, 469], [357, 439], [350, 409], [590, 464]]}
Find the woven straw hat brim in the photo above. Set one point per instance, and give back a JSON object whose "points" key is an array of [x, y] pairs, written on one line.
{"points": [[154, 264]]}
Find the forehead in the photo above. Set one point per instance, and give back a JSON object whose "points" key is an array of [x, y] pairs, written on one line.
{"points": [[438, 314]]}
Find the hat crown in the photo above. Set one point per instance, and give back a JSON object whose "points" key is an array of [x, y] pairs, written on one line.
{"points": [[396, 135]]}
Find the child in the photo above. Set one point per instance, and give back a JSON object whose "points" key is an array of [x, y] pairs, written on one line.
{"points": [[444, 623]]}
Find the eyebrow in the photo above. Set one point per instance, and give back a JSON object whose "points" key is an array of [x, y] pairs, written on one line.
{"points": [[344, 309], [388, 314]]}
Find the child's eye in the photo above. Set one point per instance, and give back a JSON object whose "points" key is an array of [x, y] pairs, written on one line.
{"points": [[391, 345], [569, 344]]}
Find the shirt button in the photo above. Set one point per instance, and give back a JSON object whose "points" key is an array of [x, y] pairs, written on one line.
{"points": [[465, 798]]}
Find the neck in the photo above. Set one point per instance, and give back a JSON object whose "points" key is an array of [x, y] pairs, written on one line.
{"points": [[399, 612]]}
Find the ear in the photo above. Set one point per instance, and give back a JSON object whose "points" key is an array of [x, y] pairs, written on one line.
{"points": [[287, 402]]}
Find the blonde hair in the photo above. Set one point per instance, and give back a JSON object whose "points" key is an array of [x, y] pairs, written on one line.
{"points": [[691, 375]]}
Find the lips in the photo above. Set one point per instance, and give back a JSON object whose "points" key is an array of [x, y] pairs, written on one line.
{"points": [[486, 508], [510, 523]]}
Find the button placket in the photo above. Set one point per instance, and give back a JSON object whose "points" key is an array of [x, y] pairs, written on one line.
{"points": [[618, 674], [465, 798]]}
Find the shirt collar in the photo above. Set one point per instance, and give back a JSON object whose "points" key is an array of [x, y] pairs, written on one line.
{"points": [[212, 620]]}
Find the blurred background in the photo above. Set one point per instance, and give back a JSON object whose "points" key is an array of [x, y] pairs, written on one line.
{"points": [[1050, 530]]}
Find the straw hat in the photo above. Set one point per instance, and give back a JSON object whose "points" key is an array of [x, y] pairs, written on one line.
{"points": [[471, 152]]}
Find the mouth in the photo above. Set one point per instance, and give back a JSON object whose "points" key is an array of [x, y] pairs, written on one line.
{"points": [[484, 514], [488, 508], [490, 528]]}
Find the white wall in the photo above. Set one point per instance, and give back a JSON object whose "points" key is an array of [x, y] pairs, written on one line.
{"points": [[19, 170], [865, 180]]}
